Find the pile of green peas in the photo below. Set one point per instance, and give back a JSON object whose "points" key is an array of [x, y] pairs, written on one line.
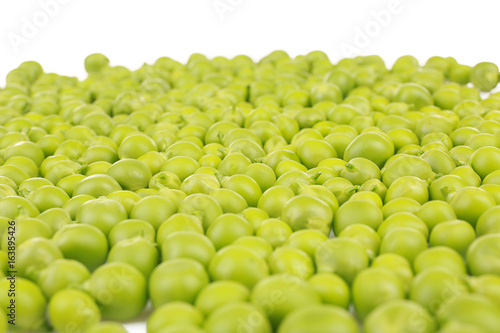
{"points": [[288, 195]]}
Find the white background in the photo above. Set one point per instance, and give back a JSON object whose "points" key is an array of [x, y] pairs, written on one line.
{"points": [[133, 32]]}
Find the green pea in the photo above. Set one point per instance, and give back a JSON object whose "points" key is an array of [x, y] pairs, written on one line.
{"points": [[484, 76]]}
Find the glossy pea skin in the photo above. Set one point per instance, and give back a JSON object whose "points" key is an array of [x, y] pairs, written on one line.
{"points": [[397, 264], [226, 228], [484, 76], [343, 256], [468, 175], [406, 166], [274, 199], [396, 315], [174, 246], [402, 220], [489, 222], [306, 240], [331, 288], [439, 256], [274, 231], [130, 174], [201, 205], [441, 188], [174, 313], [138, 252], [61, 274], [440, 162], [285, 300], [307, 212], [103, 213], [154, 210], [485, 160], [257, 244], [478, 253], [319, 318], [289, 260], [371, 146], [239, 170], [313, 151], [84, 243], [130, 228], [71, 309], [404, 241], [219, 293], [35, 255], [119, 289], [168, 282], [487, 285], [97, 185], [368, 196], [234, 316], [238, 263], [95, 62], [360, 170], [357, 212], [244, 185], [413, 94], [31, 304], [428, 286], [409, 187], [470, 309], [469, 203], [373, 287]]}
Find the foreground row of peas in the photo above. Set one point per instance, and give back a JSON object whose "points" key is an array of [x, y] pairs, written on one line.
{"points": [[288, 195]]}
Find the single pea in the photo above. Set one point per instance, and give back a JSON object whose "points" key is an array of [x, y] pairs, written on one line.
{"points": [[365, 235], [434, 287], [228, 227], [469, 203], [95, 62], [456, 234], [480, 254], [200, 249], [404, 241], [119, 289], [292, 261], [399, 315], [177, 280], [317, 318], [30, 305], [237, 316], [138, 252], [35, 255], [71, 309], [130, 229], [373, 287], [286, 292], [174, 313], [408, 187], [398, 264], [484, 76], [219, 293], [402, 220], [343, 256], [435, 212], [307, 212], [439, 256], [357, 212]]}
